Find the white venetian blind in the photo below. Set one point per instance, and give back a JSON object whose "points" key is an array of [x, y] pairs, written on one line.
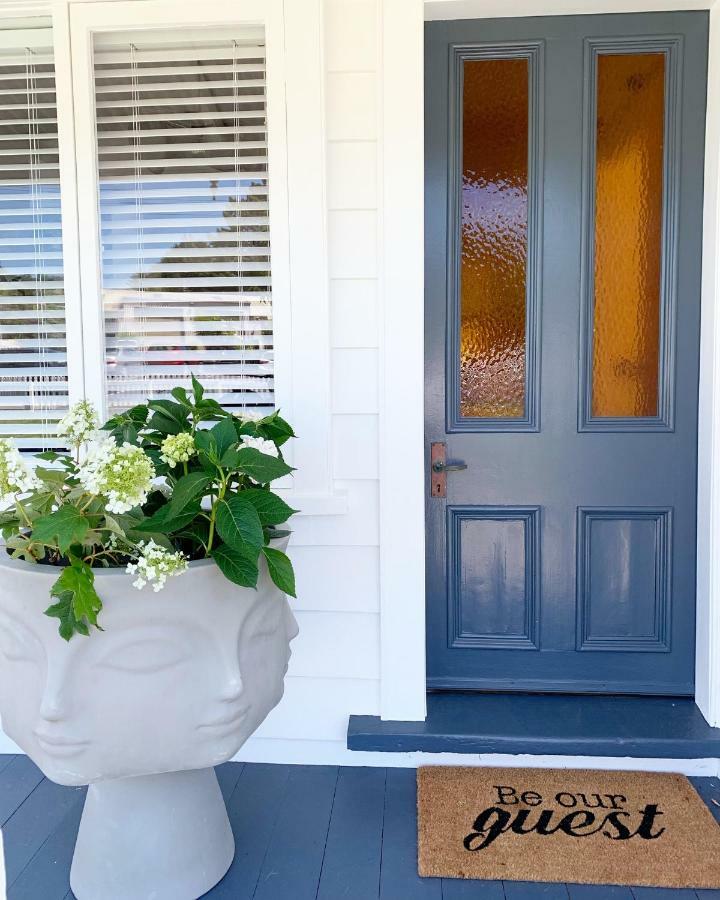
{"points": [[182, 159], [33, 370]]}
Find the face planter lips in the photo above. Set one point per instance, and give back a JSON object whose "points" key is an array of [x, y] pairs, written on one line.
{"points": [[227, 722], [59, 745]]}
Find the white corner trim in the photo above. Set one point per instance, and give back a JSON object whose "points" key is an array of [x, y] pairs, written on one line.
{"points": [[707, 651], [402, 422]]}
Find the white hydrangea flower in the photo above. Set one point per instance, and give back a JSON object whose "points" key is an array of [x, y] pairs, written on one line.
{"points": [[177, 448], [249, 415], [155, 565], [16, 476], [260, 444], [79, 423], [123, 474]]}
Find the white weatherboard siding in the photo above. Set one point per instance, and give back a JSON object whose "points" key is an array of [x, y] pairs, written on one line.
{"points": [[335, 667]]}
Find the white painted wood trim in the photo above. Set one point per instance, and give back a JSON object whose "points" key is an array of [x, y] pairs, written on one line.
{"points": [[707, 665], [707, 652], [402, 421], [296, 145], [68, 202], [335, 753], [309, 307], [489, 9]]}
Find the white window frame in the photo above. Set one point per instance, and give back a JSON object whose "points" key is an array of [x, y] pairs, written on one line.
{"points": [[296, 161]]}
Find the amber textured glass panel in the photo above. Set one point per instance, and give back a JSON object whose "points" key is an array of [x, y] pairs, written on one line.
{"points": [[628, 234], [494, 238]]}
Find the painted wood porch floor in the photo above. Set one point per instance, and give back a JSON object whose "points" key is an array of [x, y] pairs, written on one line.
{"points": [[302, 833]]}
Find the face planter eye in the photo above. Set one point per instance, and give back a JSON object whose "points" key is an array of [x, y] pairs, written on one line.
{"points": [[18, 643], [143, 655]]}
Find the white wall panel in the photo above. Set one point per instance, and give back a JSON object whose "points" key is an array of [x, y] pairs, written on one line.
{"points": [[351, 99], [351, 652], [352, 243], [354, 381], [352, 175], [317, 708], [358, 527], [343, 579], [351, 27], [354, 312], [355, 446]]}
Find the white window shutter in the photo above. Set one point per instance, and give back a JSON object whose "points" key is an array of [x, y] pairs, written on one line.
{"points": [[33, 370], [182, 163]]}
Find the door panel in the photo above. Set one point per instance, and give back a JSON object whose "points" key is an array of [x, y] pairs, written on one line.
{"points": [[563, 235]]}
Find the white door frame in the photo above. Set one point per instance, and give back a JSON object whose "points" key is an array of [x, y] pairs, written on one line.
{"points": [[402, 467]]}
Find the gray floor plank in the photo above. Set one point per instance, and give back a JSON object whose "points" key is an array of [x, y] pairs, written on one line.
{"points": [[468, 889], [709, 790], [17, 781], [599, 892], [650, 893], [47, 874], [351, 867], [298, 829], [534, 890], [294, 858], [33, 822], [253, 809], [399, 879], [228, 774]]}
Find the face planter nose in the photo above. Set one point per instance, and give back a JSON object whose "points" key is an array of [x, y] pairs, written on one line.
{"points": [[54, 705], [232, 687]]}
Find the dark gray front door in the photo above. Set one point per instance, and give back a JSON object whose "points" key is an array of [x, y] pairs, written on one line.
{"points": [[564, 214]]}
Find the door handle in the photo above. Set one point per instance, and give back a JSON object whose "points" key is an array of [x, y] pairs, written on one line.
{"points": [[440, 466]]}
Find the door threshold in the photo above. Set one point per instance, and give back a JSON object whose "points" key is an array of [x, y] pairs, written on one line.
{"points": [[546, 724]]}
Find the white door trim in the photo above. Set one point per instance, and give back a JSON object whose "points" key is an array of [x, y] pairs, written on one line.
{"points": [[402, 473]]}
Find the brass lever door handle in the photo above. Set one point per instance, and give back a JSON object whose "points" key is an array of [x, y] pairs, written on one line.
{"points": [[439, 469], [440, 466]]}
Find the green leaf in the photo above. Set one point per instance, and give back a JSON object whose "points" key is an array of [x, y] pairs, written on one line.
{"points": [[198, 389], [271, 509], [237, 566], [168, 417], [224, 434], [205, 441], [281, 570], [275, 429], [164, 522], [260, 466], [187, 489], [238, 522], [180, 394], [75, 588], [229, 459], [67, 525], [69, 624]]}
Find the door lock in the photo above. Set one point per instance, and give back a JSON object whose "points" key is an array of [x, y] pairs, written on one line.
{"points": [[439, 467]]}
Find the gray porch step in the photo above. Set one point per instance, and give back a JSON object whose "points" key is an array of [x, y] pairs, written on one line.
{"points": [[546, 724]]}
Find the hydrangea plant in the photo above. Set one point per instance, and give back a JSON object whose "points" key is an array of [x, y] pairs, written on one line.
{"points": [[157, 486]]}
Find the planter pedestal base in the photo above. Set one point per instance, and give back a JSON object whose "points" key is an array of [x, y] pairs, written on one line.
{"points": [[165, 837]]}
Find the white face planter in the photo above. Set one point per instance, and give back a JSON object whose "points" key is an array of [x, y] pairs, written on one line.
{"points": [[141, 712]]}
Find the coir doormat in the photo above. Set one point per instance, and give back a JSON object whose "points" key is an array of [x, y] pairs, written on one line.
{"points": [[582, 826]]}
